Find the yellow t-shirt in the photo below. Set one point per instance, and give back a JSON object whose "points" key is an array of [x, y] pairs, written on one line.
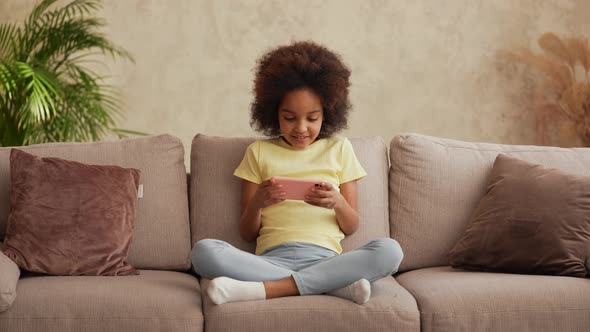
{"points": [[329, 159]]}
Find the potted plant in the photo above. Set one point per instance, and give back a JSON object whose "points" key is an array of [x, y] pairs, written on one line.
{"points": [[47, 91]]}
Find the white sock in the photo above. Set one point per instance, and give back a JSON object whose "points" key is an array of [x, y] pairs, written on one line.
{"points": [[358, 292], [222, 290]]}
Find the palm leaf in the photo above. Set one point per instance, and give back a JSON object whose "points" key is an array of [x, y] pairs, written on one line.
{"points": [[41, 90], [82, 7], [7, 38], [123, 133], [7, 83], [40, 9]]}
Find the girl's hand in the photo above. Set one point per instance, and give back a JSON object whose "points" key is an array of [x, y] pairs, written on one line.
{"points": [[325, 196], [268, 193]]}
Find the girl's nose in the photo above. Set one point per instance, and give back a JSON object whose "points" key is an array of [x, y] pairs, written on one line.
{"points": [[301, 127]]}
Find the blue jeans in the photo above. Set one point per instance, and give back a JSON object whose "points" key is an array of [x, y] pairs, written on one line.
{"points": [[315, 269]]}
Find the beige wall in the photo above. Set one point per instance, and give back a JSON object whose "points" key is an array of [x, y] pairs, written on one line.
{"points": [[421, 66]]}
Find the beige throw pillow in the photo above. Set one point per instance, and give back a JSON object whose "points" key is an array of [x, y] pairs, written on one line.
{"points": [[532, 220]]}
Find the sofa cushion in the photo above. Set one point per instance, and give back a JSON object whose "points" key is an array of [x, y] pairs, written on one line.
{"points": [[216, 194], [528, 206], [455, 300], [161, 238], [9, 274], [151, 301], [436, 184], [70, 218], [391, 308]]}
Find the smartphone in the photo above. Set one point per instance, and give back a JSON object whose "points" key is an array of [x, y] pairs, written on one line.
{"points": [[296, 188]]}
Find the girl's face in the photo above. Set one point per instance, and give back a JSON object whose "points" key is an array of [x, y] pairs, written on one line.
{"points": [[300, 117]]}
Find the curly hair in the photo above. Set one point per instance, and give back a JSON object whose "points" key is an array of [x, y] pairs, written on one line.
{"points": [[300, 65]]}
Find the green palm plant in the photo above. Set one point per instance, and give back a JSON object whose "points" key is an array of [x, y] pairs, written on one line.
{"points": [[47, 94]]}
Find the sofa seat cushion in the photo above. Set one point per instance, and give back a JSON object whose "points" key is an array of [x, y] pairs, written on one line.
{"points": [[456, 300], [150, 301], [391, 308]]}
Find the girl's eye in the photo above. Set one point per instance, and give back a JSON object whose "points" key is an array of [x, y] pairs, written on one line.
{"points": [[312, 120], [289, 119]]}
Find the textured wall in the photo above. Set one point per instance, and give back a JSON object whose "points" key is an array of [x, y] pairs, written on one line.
{"points": [[423, 66]]}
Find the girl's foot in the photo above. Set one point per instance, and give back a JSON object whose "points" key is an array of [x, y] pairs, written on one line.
{"points": [[358, 292], [223, 290]]}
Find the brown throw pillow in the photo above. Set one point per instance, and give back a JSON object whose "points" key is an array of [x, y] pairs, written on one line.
{"points": [[532, 220], [70, 218]]}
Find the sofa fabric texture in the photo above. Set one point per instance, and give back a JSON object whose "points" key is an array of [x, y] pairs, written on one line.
{"points": [[456, 300], [161, 239], [150, 301], [435, 185], [70, 218], [9, 274], [391, 308], [216, 197], [531, 220]]}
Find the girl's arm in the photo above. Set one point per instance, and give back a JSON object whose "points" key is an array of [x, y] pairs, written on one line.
{"points": [[347, 212], [255, 197], [344, 203], [250, 220]]}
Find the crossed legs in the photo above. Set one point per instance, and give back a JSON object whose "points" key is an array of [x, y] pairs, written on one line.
{"points": [[241, 276]]}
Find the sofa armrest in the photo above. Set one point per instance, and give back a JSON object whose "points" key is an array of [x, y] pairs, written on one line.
{"points": [[9, 274]]}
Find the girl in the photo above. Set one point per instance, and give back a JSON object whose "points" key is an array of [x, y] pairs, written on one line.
{"points": [[301, 101]]}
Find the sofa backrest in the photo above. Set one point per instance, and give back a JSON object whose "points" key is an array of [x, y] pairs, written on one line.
{"points": [[435, 184], [215, 194], [161, 238]]}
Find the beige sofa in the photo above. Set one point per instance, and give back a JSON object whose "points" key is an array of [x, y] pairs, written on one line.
{"points": [[421, 194]]}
